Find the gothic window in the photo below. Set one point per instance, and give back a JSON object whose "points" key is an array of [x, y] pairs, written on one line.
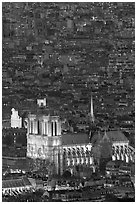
{"points": [[69, 153], [122, 149], [31, 126], [74, 152], [72, 162], [82, 151], [78, 152], [52, 128], [55, 128], [38, 127], [125, 150], [64, 152], [87, 152], [45, 133], [117, 150]]}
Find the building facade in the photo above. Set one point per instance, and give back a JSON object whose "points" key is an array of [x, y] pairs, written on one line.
{"points": [[45, 141], [42, 102], [16, 120], [44, 138], [67, 151], [119, 145]]}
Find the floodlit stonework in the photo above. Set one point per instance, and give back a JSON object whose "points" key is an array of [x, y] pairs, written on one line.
{"points": [[16, 120]]}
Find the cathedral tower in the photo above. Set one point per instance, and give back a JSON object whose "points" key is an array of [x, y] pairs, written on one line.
{"points": [[44, 139]]}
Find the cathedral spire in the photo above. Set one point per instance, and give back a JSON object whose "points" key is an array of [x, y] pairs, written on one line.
{"points": [[91, 110]]}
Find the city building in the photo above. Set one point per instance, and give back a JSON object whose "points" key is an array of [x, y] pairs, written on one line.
{"points": [[44, 138], [14, 186], [16, 120], [117, 146], [41, 102], [68, 151], [45, 141]]}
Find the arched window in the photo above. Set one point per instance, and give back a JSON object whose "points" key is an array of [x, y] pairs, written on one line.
{"points": [[82, 151], [122, 149], [55, 128], [78, 151], [69, 153], [113, 150], [126, 150], [117, 150], [45, 131], [64, 152], [87, 152], [51, 128], [74, 152], [38, 123]]}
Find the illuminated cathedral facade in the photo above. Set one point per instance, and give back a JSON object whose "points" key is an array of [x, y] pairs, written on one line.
{"points": [[45, 141]]}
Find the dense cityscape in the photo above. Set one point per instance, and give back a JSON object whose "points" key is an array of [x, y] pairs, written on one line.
{"points": [[68, 76]]}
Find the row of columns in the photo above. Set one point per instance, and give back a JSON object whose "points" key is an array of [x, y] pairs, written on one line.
{"points": [[75, 156], [122, 157], [41, 127], [10, 191], [119, 149], [121, 152], [78, 151], [77, 161], [131, 153]]}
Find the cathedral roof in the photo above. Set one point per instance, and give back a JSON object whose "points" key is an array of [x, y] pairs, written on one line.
{"points": [[75, 138], [116, 136], [113, 136], [21, 182]]}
